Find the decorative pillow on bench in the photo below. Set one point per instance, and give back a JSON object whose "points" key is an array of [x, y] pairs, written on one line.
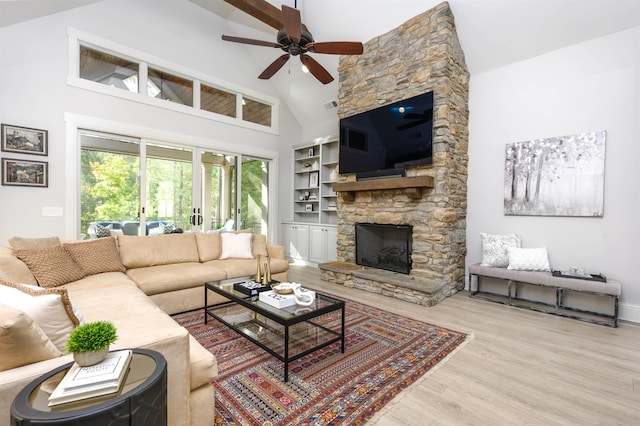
{"points": [[529, 259], [494, 249]]}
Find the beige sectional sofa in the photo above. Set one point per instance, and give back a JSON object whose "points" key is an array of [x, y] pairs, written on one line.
{"points": [[134, 282]]}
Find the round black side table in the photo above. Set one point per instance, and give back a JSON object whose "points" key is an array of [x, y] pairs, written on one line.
{"points": [[142, 400]]}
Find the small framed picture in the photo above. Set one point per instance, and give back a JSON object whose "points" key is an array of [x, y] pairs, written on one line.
{"points": [[24, 140], [313, 179], [310, 152], [308, 207], [25, 173]]}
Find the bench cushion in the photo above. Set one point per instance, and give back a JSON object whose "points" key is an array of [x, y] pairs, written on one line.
{"points": [[612, 288]]}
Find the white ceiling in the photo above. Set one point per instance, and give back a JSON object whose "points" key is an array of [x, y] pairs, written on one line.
{"points": [[493, 33]]}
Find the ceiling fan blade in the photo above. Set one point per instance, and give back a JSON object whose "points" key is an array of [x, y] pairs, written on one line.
{"points": [[250, 41], [274, 67], [316, 69], [292, 23], [336, 47]]}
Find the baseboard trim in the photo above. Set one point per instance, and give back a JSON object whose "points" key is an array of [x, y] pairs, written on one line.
{"points": [[629, 312]]}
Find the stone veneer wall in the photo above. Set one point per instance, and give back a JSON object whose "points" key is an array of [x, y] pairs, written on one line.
{"points": [[421, 55]]}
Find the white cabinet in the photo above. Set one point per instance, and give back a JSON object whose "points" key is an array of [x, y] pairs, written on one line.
{"points": [[296, 241], [310, 243], [323, 241]]}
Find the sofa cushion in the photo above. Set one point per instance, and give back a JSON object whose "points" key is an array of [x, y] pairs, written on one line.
{"points": [[33, 243], [14, 269], [50, 308], [52, 266], [165, 278], [22, 341], [209, 245], [96, 256], [140, 252], [236, 245], [259, 245], [236, 268]]}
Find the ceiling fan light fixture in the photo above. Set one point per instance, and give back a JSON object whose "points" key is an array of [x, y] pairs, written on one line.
{"points": [[305, 69]]}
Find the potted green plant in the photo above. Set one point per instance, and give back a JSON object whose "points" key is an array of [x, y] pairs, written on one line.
{"points": [[90, 342]]}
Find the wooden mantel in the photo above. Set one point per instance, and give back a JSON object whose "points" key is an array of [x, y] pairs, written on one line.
{"points": [[412, 186]]}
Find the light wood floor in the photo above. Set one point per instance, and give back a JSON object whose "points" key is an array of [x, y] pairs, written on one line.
{"points": [[519, 367]]}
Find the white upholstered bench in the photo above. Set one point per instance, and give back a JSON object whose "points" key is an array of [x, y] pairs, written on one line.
{"points": [[565, 300]]}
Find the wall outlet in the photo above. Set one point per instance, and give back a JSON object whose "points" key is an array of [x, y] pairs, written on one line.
{"points": [[52, 211]]}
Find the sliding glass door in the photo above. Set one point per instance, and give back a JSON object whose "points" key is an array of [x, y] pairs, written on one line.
{"points": [[219, 187], [109, 183], [136, 187], [254, 197], [168, 189]]}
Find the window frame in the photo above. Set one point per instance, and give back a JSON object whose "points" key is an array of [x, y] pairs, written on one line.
{"points": [[77, 38]]}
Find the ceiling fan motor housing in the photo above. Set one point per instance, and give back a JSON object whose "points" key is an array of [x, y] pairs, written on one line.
{"points": [[291, 47]]}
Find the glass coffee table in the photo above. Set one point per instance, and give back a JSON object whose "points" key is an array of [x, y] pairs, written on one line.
{"points": [[286, 333]]}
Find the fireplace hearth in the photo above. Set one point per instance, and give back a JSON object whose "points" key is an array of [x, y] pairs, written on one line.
{"points": [[384, 246]]}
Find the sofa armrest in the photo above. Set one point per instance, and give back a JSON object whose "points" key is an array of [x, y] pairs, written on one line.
{"points": [[275, 252], [12, 381]]}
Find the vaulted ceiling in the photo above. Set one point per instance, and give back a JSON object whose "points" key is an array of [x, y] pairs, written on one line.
{"points": [[493, 33]]}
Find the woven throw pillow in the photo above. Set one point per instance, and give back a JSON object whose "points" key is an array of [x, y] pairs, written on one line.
{"points": [[22, 340], [236, 246], [494, 249], [529, 259], [169, 228], [96, 256], [50, 308], [51, 266]]}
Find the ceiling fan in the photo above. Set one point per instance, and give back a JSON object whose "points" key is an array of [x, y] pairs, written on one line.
{"points": [[296, 40]]}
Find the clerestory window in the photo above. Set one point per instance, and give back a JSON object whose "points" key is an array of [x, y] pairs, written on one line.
{"points": [[146, 79]]}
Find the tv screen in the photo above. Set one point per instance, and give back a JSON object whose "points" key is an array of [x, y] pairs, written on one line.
{"points": [[390, 137]]}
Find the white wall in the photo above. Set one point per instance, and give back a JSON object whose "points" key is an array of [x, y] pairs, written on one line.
{"points": [[33, 85], [586, 87]]}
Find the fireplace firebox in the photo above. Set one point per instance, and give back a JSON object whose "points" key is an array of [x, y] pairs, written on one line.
{"points": [[384, 246]]}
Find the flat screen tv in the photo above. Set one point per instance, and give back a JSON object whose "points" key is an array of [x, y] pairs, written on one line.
{"points": [[385, 140]]}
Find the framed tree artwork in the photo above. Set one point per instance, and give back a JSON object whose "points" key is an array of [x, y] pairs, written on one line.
{"points": [[559, 176]]}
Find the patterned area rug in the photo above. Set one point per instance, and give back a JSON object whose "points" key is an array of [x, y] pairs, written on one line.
{"points": [[384, 354]]}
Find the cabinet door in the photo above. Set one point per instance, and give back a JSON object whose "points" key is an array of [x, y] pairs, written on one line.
{"points": [[302, 242], [317, 244], [296, 241], [323, 243]]}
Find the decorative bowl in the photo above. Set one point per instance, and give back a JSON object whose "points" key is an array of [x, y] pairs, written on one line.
{"points": [[284, 288]]}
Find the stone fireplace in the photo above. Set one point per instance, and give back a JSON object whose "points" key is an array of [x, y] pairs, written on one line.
{"points": [[421, 55]]}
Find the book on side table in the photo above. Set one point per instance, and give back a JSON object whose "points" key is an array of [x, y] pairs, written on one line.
{"points": [[101, 379]]}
